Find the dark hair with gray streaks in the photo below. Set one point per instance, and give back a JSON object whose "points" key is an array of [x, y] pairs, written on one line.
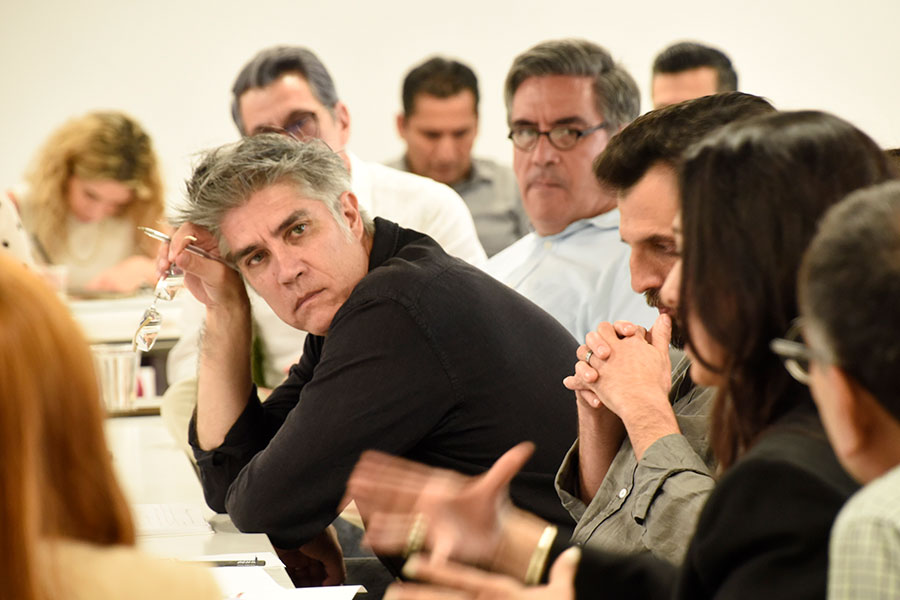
{"points": [[228, 175], [616, 94], [271, 64]]}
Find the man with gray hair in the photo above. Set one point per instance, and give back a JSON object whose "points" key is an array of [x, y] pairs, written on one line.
{"points": [[406, 349], [564, 99], [287, 89]]}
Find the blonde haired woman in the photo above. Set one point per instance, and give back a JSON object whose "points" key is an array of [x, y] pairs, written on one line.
{"points": [[65, 528], [94, 181]]}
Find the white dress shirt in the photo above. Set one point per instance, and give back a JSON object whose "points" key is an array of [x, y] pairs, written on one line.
{"points": [[579, 275]]}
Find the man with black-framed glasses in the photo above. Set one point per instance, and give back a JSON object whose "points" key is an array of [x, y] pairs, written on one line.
{"points": [[564, 100], [845, 347]]}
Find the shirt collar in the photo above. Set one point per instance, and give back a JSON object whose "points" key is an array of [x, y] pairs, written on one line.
{"points": [[606, 221], [385, 242]]}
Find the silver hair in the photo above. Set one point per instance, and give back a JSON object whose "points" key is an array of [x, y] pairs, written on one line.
{"points": [[616, 94], [227, 176], [271, 64]]}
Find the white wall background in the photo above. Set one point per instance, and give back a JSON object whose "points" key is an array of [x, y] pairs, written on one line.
{"points": [[170, 63]]}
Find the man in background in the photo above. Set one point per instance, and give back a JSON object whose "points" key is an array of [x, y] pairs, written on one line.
{"points": [[564, 100], [439, 124], [689, 70]]}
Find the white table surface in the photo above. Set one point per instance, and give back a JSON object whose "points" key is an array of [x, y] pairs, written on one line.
{"points": [[153, 470], [115, 320]]}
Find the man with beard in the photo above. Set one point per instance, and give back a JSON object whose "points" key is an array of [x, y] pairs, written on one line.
{"points": [[636, 481]]}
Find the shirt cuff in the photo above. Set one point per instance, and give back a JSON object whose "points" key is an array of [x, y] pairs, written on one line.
{"points": [[568, 484], [667, 456], [242, 430]]}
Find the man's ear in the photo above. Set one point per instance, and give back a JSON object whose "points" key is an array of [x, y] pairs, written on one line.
{"points": [[342, 119], [851, 414], [350, 211], [401, 125]]}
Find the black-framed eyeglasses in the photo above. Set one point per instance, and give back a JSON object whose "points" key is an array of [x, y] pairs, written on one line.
{"points": [[561, 137], [794, 352], [302, 126]]}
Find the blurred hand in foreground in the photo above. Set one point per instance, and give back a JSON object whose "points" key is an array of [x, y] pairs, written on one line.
{"points": [[408, 506], [451, 581]]}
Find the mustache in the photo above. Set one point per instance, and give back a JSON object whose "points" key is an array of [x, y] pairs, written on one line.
{"points": [[654, 300], [545, 175]]}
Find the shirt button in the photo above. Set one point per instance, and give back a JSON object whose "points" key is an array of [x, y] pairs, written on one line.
{"points": [[623, 492], [548, 245]]}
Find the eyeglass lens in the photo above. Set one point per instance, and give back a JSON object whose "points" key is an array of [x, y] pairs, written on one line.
{"points": [[301, 127], [151, 321], [562, 138]]}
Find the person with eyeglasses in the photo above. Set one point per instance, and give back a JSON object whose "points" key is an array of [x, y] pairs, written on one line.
{"points": [[636, 479], [564, 99], [408, 349], [845, 347], [752, 195]]}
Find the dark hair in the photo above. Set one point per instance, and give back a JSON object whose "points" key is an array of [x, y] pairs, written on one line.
{"points": [[849, 286], [270, 64], [616, 95], [893, 155], [662, 136], [752, 193], [438, 77], [685, 56]]}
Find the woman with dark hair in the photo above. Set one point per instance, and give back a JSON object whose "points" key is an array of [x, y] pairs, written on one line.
{"points": [[752, 194]]}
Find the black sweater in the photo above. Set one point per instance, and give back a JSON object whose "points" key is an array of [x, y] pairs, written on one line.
{"points": [[429, 358]]}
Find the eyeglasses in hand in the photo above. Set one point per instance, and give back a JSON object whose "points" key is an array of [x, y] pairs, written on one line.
{"points": [[166, 288]]}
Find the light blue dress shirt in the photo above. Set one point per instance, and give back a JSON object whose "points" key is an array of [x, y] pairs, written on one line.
{"points": [[580, 275]]}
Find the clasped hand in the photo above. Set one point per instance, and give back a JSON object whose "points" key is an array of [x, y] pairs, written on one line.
{"points": [[629, 367]]}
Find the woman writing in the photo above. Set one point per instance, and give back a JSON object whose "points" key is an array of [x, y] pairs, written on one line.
{"points": [[95, 180]]}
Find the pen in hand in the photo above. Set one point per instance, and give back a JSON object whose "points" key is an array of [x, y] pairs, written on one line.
{"points": [[159, 235]]}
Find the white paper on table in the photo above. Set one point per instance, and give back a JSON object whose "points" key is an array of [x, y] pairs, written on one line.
{"points": [[170, 519], [253, 583]]}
